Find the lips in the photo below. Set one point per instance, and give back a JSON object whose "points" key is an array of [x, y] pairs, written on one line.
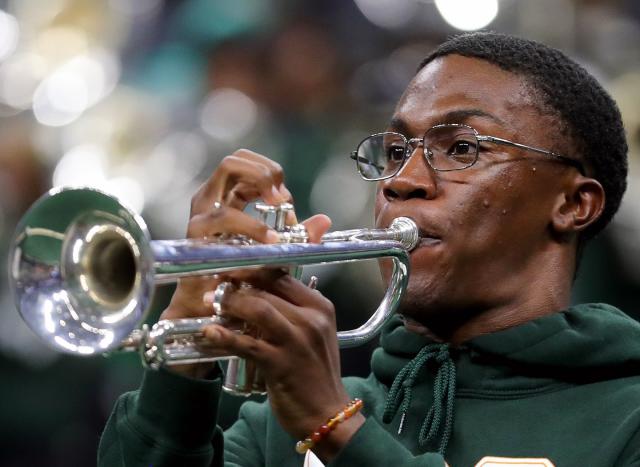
{"points": [[428, 238], [427, 231], [428, 241]]}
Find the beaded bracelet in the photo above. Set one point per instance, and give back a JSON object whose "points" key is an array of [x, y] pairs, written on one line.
{"points": [[314, 438]]}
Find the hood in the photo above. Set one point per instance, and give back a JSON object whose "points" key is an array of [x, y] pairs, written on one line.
{"points": [[584, 343]]}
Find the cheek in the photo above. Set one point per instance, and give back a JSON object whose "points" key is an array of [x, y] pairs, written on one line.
{"points": [[507, 211], [379, 201]]}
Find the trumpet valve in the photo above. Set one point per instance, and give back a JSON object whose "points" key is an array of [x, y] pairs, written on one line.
{"points": [[288, 233], [280, 212]]}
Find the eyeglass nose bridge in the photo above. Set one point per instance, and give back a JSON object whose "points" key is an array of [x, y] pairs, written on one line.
{"points": [[415, 143]]}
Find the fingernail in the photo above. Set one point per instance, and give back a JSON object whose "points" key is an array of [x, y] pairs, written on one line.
{"points": [[272, 236], [285, 193], [207, 298]]}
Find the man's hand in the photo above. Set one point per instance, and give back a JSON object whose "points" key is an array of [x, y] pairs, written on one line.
{"points": [[297, 350], [238, 180]]}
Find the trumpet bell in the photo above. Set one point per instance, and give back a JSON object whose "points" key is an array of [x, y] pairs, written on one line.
{"points": [[62, 270]]}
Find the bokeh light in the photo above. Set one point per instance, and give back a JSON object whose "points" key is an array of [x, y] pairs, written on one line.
{"points": [[73, 87], [468, 15], [20, 75], [389, 14], [228, 115], [143, 98], [9, 34]]}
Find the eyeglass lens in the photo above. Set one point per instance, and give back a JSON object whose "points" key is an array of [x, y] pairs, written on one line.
{"points": [[448, 147]]}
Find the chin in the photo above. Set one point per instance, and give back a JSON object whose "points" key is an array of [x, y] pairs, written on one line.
{"points": [[421, 300], [436, 303]]}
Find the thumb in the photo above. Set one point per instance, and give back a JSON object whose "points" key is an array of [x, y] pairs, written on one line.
{"points": [[317, 226]]}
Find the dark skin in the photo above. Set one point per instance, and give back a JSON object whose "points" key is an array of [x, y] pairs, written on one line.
{"points": [[502, 247]]}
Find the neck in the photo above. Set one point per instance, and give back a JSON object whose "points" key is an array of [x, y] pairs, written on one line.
{"points": [[545, 293]]}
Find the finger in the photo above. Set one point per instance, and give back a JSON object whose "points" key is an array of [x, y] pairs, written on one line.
{"points": [[229, 220], [241, 195], [242, 345], [295, 292], [254, 276], [243, 166], [253, 307], [317, 226], [244, 193], [280, 284]]}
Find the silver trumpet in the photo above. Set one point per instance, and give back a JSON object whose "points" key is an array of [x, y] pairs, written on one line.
{"points": [[83, 269]]}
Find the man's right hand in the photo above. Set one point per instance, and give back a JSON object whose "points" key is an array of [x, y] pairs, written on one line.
{"points": [[239, 179]]}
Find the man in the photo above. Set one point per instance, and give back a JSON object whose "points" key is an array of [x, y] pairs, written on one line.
{"points": [[509, 157]]}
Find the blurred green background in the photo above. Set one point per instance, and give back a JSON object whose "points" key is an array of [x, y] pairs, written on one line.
{"points": [[143, 98]]}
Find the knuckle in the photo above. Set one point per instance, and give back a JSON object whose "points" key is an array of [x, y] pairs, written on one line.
{"points": [[217, 214], [264, 310], [318, 328], [277, 171], [242, 153], [225, 164], [266, 176], [326, 306], [253, 348]]}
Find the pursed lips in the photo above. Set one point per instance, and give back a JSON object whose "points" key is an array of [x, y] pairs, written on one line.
{"points": [[426, 235], [428, 240]]}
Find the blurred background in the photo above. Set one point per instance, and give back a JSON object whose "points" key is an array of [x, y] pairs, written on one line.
{"points": [[143, 98]]}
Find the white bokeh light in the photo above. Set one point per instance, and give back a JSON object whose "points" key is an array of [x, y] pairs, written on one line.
{"points": [[468, 15], [127, 190], [228, 115], [174, 163], [88, 165], [390, 14], [37, 13], [9, 34], [75, 86], [19, 78], [82, 166], [60, 99]]}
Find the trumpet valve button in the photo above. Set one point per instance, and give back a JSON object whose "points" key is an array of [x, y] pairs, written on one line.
{"points": [[281, 216]]}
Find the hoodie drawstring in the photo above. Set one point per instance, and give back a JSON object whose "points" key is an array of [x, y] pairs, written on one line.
{"points": [[443, 394]]}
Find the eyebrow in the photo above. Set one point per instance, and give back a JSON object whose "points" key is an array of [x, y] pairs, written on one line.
{"points": [[455, 116]]}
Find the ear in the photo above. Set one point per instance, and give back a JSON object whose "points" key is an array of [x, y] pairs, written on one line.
{"points": [[579, 205]]}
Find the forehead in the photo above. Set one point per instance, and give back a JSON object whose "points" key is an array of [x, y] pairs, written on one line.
{"points": [[472, 91]]}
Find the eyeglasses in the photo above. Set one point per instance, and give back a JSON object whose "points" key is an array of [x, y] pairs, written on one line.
{"points": [[446, 147]]}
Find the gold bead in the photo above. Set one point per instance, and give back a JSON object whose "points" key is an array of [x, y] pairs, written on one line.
{"points": [[304, 445]]}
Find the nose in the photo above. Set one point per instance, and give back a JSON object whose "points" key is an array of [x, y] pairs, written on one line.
{"points": [[416, 178]]}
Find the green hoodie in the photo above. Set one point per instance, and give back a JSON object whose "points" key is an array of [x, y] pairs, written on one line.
{"points": [[565, 387]]}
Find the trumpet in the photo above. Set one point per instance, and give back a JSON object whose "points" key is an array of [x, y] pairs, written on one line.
{"points": [[83, 269]]}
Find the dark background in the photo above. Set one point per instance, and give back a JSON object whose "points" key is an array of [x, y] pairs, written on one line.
{"points": [[143, 98]]}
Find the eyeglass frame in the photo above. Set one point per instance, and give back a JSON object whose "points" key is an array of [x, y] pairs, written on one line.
{"points": [[409, 142]]}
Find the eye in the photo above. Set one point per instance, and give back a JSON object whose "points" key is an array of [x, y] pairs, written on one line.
{"points": [[395, 152], [462, 148]]}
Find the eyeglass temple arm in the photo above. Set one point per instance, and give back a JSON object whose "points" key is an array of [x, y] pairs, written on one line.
{"points": [[492, 139], [363, 160]]}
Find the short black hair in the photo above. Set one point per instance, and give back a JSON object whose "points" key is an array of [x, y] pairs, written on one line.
{"points": [[586, 111]]}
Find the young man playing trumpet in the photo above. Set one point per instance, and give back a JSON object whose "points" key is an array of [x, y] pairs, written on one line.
{"points": [[509, 157]]}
